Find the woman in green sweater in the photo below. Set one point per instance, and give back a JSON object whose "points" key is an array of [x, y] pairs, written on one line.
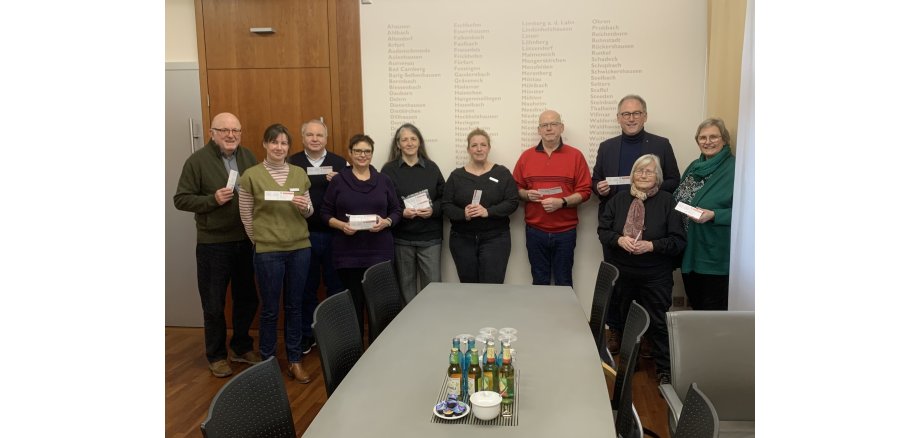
{"points": [[707, 185], [274, 205]]}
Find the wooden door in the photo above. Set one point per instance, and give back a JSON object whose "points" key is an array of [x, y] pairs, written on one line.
{"points": [[308, 67], [261, 97]]}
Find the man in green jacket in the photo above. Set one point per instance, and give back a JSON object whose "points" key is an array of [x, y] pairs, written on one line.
{"points": [[223, 252]]}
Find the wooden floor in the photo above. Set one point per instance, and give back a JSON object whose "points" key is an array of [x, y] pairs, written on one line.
{"points": [[190, 387]]}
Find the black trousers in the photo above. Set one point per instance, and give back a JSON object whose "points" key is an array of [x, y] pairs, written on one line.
{"points": [[351, 279], [220, 265], [481, 258], [706, 292], [653, 293]]}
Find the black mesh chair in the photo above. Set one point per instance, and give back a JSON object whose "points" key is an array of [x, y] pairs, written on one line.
{"points": [[698, 418], [252, 404], [384, 300], [627, 419], [335, 326], [607, 275]]}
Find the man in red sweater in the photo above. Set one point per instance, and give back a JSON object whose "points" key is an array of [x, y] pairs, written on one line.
{"points": [[552, 178]]}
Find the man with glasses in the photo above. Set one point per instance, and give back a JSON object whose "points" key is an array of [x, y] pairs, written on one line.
{"points": [[615, 158], [224, 252], [552, 178], [321, 165]]}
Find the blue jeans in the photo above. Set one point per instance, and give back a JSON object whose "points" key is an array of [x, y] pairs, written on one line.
{"points": [[481, 258], [220, 264], [320, 267], [551, 256], [281, 271], [416, 266]]}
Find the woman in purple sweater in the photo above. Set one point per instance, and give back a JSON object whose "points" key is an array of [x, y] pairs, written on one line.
{"points": [[360, 190]]}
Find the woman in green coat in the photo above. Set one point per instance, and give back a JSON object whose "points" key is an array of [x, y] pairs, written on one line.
{"points": [[708, 185]]}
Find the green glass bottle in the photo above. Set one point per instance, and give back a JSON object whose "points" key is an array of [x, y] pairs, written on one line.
{"points": [[506, 380], [490, 370], [473, 373], [454, 374]]}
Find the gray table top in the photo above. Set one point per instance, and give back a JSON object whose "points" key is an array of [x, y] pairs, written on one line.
{"points": [[393, 387]]}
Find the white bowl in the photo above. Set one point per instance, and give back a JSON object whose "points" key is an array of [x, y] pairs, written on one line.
{"points": [[486, 404]]}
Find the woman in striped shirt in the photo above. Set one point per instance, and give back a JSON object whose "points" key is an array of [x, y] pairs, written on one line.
{"points": [[274, 203]]}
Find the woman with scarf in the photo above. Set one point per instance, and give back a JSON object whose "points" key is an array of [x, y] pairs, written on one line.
{"points": [[707, 185], [645, 236]]}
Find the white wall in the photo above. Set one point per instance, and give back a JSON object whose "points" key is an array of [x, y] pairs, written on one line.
{"points": [[181, 38], [497, 65]]}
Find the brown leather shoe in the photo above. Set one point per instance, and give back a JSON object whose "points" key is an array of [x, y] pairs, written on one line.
{"points": [[250, 357], [296, 371], [614, 337], [220, 368]]}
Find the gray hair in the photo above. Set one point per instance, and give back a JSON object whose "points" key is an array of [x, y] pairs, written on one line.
{"points": [[718, 123], [633, 97], [303, 128], [643, 161]]}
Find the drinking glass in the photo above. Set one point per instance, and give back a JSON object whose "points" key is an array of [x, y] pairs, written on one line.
{"points": [[463, 339]]}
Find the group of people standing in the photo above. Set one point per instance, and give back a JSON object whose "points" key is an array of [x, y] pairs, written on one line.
{"points": [[646, 238], [295, 220]]}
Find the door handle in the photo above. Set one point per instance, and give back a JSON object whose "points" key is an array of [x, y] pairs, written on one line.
{"points": [[194, 133]]}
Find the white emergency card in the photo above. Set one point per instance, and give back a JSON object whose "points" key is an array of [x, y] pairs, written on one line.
{"points": [[322, 170], [277, 195], [550, 191], [477, 196], [689, 210]]}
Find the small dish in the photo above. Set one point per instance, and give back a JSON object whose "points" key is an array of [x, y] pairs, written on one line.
{"points": [[466, 411]]}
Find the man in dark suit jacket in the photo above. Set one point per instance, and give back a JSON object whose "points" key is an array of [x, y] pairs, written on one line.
{"points": [[615, 158]]}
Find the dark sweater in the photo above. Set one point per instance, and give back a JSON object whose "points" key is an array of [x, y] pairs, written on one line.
{"points": [[318, 185], [663, 227], [349, 195], [412, 179], [608, 163], [499, 197], [202, 175]]}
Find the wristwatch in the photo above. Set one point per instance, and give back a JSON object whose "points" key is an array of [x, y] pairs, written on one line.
{"points": [[565, 203]]}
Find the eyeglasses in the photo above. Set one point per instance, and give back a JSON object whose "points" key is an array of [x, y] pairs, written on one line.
{"points": [[711, 138], [357, 152], [550, 124], [634, 114], [645, 172], [225, 131]]}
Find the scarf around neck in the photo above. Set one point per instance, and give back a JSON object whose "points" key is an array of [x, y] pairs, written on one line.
{"points": [[702, 168], [635, 218]]}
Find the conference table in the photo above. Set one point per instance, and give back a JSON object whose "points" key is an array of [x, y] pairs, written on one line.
{"points": [[392, 389]]}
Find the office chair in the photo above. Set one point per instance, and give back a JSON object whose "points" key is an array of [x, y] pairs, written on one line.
{"points": [[382, 293], [628, 424], [254, 403], [698, 418], [607, 275], [335, 325], [714, 349]]}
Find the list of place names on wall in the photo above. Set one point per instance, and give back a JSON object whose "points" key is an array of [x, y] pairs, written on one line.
{"points": [[452, 67]]}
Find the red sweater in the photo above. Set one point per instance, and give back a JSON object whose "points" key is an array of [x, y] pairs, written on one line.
{"points": [[567, 169]]}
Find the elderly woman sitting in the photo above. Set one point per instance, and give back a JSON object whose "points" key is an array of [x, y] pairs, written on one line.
{"points": [[646, 236]]}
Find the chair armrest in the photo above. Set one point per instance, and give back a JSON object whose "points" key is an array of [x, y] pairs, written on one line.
{"points": [[673, 401]]}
